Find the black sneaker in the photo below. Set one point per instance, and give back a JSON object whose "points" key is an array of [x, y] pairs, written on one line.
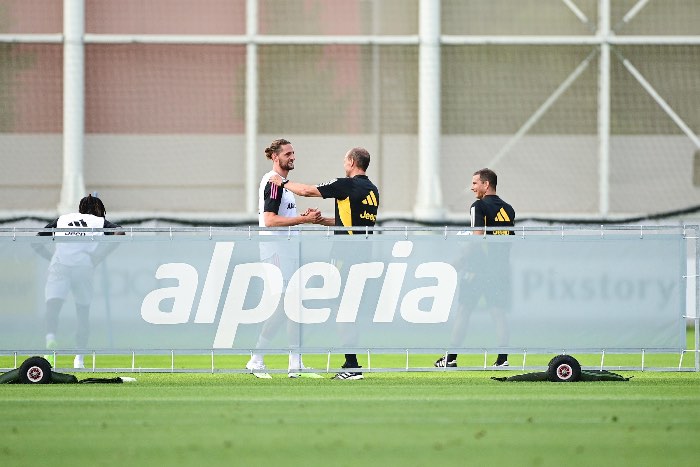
{"points": [[348, 375], [442, 362]]}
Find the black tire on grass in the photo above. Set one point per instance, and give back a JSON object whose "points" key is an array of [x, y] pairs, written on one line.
{"points": [[35, 370], [563, 369]]}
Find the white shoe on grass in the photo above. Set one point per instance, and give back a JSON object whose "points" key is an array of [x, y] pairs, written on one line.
{"points": [[255, 366], [305, 375], [294, 373], [348, 375]]}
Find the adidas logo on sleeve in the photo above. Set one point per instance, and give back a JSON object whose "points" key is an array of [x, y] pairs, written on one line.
{"points": [[371, 199]]}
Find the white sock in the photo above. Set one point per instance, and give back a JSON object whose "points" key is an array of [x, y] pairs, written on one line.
{"points": [[295, 361], [50, 338], [263, 343], [257, 358]]}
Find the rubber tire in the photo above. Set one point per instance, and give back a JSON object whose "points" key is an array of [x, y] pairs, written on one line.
{"points": [[563, 369], [35, 370]]}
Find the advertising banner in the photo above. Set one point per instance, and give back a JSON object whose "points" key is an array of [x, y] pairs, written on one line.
{"points": [[390, 292]]}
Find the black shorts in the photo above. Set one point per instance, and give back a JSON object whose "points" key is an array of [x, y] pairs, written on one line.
{"points": [[485, 292]]}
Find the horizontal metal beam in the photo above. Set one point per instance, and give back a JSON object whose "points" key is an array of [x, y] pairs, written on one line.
{"points": [[351, 40], [246, 39], [570, 40], [32, 38]]}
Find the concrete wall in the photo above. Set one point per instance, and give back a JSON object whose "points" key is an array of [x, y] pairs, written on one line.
{"points": [[542, 175]]}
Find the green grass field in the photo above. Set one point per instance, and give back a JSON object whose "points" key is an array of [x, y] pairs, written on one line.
{"points": [[410, 418]]}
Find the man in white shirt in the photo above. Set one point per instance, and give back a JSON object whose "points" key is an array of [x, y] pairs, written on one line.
{"points": [[72, 268], [277, 208]]}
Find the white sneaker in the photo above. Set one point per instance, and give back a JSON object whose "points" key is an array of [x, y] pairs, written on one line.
{"points": [[293, 373], [305, 375], [256, 365], [501, 365], [348, 375], [78, 362]]}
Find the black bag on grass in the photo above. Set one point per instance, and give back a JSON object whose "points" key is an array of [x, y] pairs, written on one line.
{"points": [[37, 370], [565, 369]]}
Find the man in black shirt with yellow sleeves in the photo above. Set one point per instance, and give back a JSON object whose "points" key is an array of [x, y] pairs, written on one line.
{"points": [[357, 203], [489, 210]]}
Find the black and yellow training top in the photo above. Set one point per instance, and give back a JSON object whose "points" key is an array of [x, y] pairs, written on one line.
{"points": [[357, 202]]}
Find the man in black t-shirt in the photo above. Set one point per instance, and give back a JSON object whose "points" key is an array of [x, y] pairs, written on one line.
{"points": [[489, 210], [356, 207]]}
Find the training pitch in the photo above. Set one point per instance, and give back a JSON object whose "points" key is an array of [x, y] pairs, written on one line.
{"points": [[408, 419]]}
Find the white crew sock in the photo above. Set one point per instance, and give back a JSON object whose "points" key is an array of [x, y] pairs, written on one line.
{"points": [[78, 362], [50, 339], [295, 362], [263, 343]]}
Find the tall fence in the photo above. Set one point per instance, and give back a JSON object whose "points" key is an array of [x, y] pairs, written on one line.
{"points": [[165, 107], [387, 291]]}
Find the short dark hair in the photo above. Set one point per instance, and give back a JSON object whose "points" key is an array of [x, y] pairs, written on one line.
{"points": [[488, 175], [360, 156], [275, 147], [92, 205]]}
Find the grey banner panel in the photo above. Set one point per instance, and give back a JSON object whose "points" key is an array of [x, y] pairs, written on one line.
{"points": [[318, 292]]}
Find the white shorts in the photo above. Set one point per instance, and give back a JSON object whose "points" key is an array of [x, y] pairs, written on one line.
{"points": [[63, 279], [279, 254]]}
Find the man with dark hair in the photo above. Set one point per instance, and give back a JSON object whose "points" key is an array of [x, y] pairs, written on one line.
{"points": [[72, 268], [277, 208], [357, 204], [489, 210]]}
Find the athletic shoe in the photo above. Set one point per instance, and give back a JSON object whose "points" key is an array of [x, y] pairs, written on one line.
{"points": [[305, 375], [253, 366], [503, 364], [348, 375], [78, 362], [299, 374], [442, 363]]}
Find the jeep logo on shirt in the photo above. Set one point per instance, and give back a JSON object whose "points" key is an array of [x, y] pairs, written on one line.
{"points": [[366, 215]]}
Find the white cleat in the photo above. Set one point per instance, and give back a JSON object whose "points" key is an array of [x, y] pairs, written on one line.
{"points": [[305, 375], [295, 373], [254, 367]]}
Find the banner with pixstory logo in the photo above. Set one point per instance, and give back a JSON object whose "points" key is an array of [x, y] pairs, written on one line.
{"points": [[388, 291]]}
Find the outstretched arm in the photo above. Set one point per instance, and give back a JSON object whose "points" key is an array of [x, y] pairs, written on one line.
{"points": [[300, 189]]}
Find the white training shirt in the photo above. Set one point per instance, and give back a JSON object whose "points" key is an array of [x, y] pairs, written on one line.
{"points": [[268, 194], [78, 253]]}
